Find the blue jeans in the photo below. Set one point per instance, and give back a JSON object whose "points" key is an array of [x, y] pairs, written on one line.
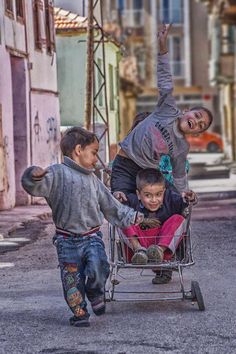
{"points": [[84, 269]]}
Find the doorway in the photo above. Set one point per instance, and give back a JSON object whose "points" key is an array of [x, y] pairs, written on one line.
{"points": [[19, 125]]}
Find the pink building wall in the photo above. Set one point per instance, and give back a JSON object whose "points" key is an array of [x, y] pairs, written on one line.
{"points": [[29, 106]]}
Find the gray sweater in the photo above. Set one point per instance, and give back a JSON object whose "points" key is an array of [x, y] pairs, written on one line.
{"points": [[78, 199], [158, 134]]}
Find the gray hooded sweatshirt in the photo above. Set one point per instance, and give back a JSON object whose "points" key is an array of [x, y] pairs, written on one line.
{"points": [[78, 199], [158, 134]]}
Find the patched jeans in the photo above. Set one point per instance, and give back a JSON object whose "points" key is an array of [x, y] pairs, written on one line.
{"points": [[84, 269]]}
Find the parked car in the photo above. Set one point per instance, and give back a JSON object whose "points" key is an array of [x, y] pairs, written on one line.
{"points": [[205, 142]]}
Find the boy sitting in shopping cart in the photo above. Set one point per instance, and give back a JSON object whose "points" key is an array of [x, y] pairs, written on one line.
{"points": [[159, 237]]}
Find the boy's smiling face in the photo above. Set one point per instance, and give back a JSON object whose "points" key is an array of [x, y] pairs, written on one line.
{"points": [[151, 196], [193, 122]]}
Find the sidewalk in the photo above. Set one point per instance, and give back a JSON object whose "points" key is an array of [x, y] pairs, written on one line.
{"points": [[211, 177], [215, 189], [10, 220]]}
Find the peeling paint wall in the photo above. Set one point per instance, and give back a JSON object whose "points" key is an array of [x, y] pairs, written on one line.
{"points": [[45, 130], [3, 167]]}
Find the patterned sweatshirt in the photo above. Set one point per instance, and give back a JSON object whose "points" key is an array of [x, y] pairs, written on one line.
{"points": [[78, 199], [158, 134]]}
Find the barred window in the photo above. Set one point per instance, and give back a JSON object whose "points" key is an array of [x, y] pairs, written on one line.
{"points": [[37, 15], [20, 9], [9, 7], [50, 34]]}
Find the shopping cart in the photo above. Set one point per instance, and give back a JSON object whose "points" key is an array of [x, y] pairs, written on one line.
{"points": [[121, 270]]}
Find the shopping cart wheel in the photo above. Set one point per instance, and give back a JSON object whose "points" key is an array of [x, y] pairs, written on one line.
{"points": [[197, 295]]}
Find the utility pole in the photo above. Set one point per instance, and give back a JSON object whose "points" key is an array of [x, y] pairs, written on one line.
{"points": [[95, 40]]}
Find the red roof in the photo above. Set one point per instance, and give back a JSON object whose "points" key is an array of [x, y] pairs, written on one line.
{"points": [[67, 20]]}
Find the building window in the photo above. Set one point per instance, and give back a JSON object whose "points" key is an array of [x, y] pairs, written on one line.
{"points": [[111, 88], [175, 53], [171, 11], [37, 14], [227, 39], [9, 8], [49, 20], [20, 9]]}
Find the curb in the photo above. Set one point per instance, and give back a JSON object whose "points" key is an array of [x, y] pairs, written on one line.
{"points": [[216, 195], [19, 224]]}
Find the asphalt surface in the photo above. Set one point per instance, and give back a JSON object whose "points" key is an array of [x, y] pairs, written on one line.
{"points": [[34, 316]]}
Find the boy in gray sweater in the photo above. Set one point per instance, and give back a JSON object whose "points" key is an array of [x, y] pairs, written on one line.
{"points": [[79, 201], [162, 132]]}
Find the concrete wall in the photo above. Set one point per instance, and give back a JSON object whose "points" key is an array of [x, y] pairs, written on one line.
{"points": [[71, 62]]}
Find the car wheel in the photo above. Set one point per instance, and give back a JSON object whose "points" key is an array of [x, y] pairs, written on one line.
{"points": [[213, 147]]}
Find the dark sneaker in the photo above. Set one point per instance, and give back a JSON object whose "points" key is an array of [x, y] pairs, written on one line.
{"points": [[139, 257], [82, 321], [162, 277], [155, 253], [99, 306]]}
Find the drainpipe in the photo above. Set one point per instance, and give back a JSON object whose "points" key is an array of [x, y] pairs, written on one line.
{"points": [[29, 67], [187, 47]]}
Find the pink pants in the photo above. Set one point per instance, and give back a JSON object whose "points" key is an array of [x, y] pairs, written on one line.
{"points": [[168, 235]]}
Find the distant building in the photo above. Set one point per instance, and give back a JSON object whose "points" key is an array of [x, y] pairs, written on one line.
{"points": [[222, 66], [188, 48], [71, 43], [29, 105]]}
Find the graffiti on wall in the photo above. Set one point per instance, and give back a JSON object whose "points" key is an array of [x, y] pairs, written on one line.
{"points": [[52, 139], [52, 129], [47, 133], [37, 127]]}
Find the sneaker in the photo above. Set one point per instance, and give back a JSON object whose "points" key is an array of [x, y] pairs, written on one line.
{"points": [[82, 321], [155, 253], [99, 306], [140, 257], [162, 277]]}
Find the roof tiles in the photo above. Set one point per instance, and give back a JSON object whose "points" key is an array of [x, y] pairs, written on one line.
{"points": [[67, 20]]}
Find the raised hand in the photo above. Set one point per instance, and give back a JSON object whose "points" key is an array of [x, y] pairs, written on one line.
{"points": [[190, 197], [38, 172], [162, 36]]}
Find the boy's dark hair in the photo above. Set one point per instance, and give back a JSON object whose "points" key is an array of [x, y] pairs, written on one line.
{"points": [[149, 176], [76, 136], [201, 108]]}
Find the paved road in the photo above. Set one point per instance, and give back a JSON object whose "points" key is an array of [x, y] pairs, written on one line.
{"points": [[34, 317]]}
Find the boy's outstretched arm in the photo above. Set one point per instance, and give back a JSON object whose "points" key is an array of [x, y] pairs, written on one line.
{"points": [[164, 77], [116, 213]]}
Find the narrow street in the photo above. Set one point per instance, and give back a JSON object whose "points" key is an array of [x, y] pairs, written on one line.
{"points": [[34, 316]]}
